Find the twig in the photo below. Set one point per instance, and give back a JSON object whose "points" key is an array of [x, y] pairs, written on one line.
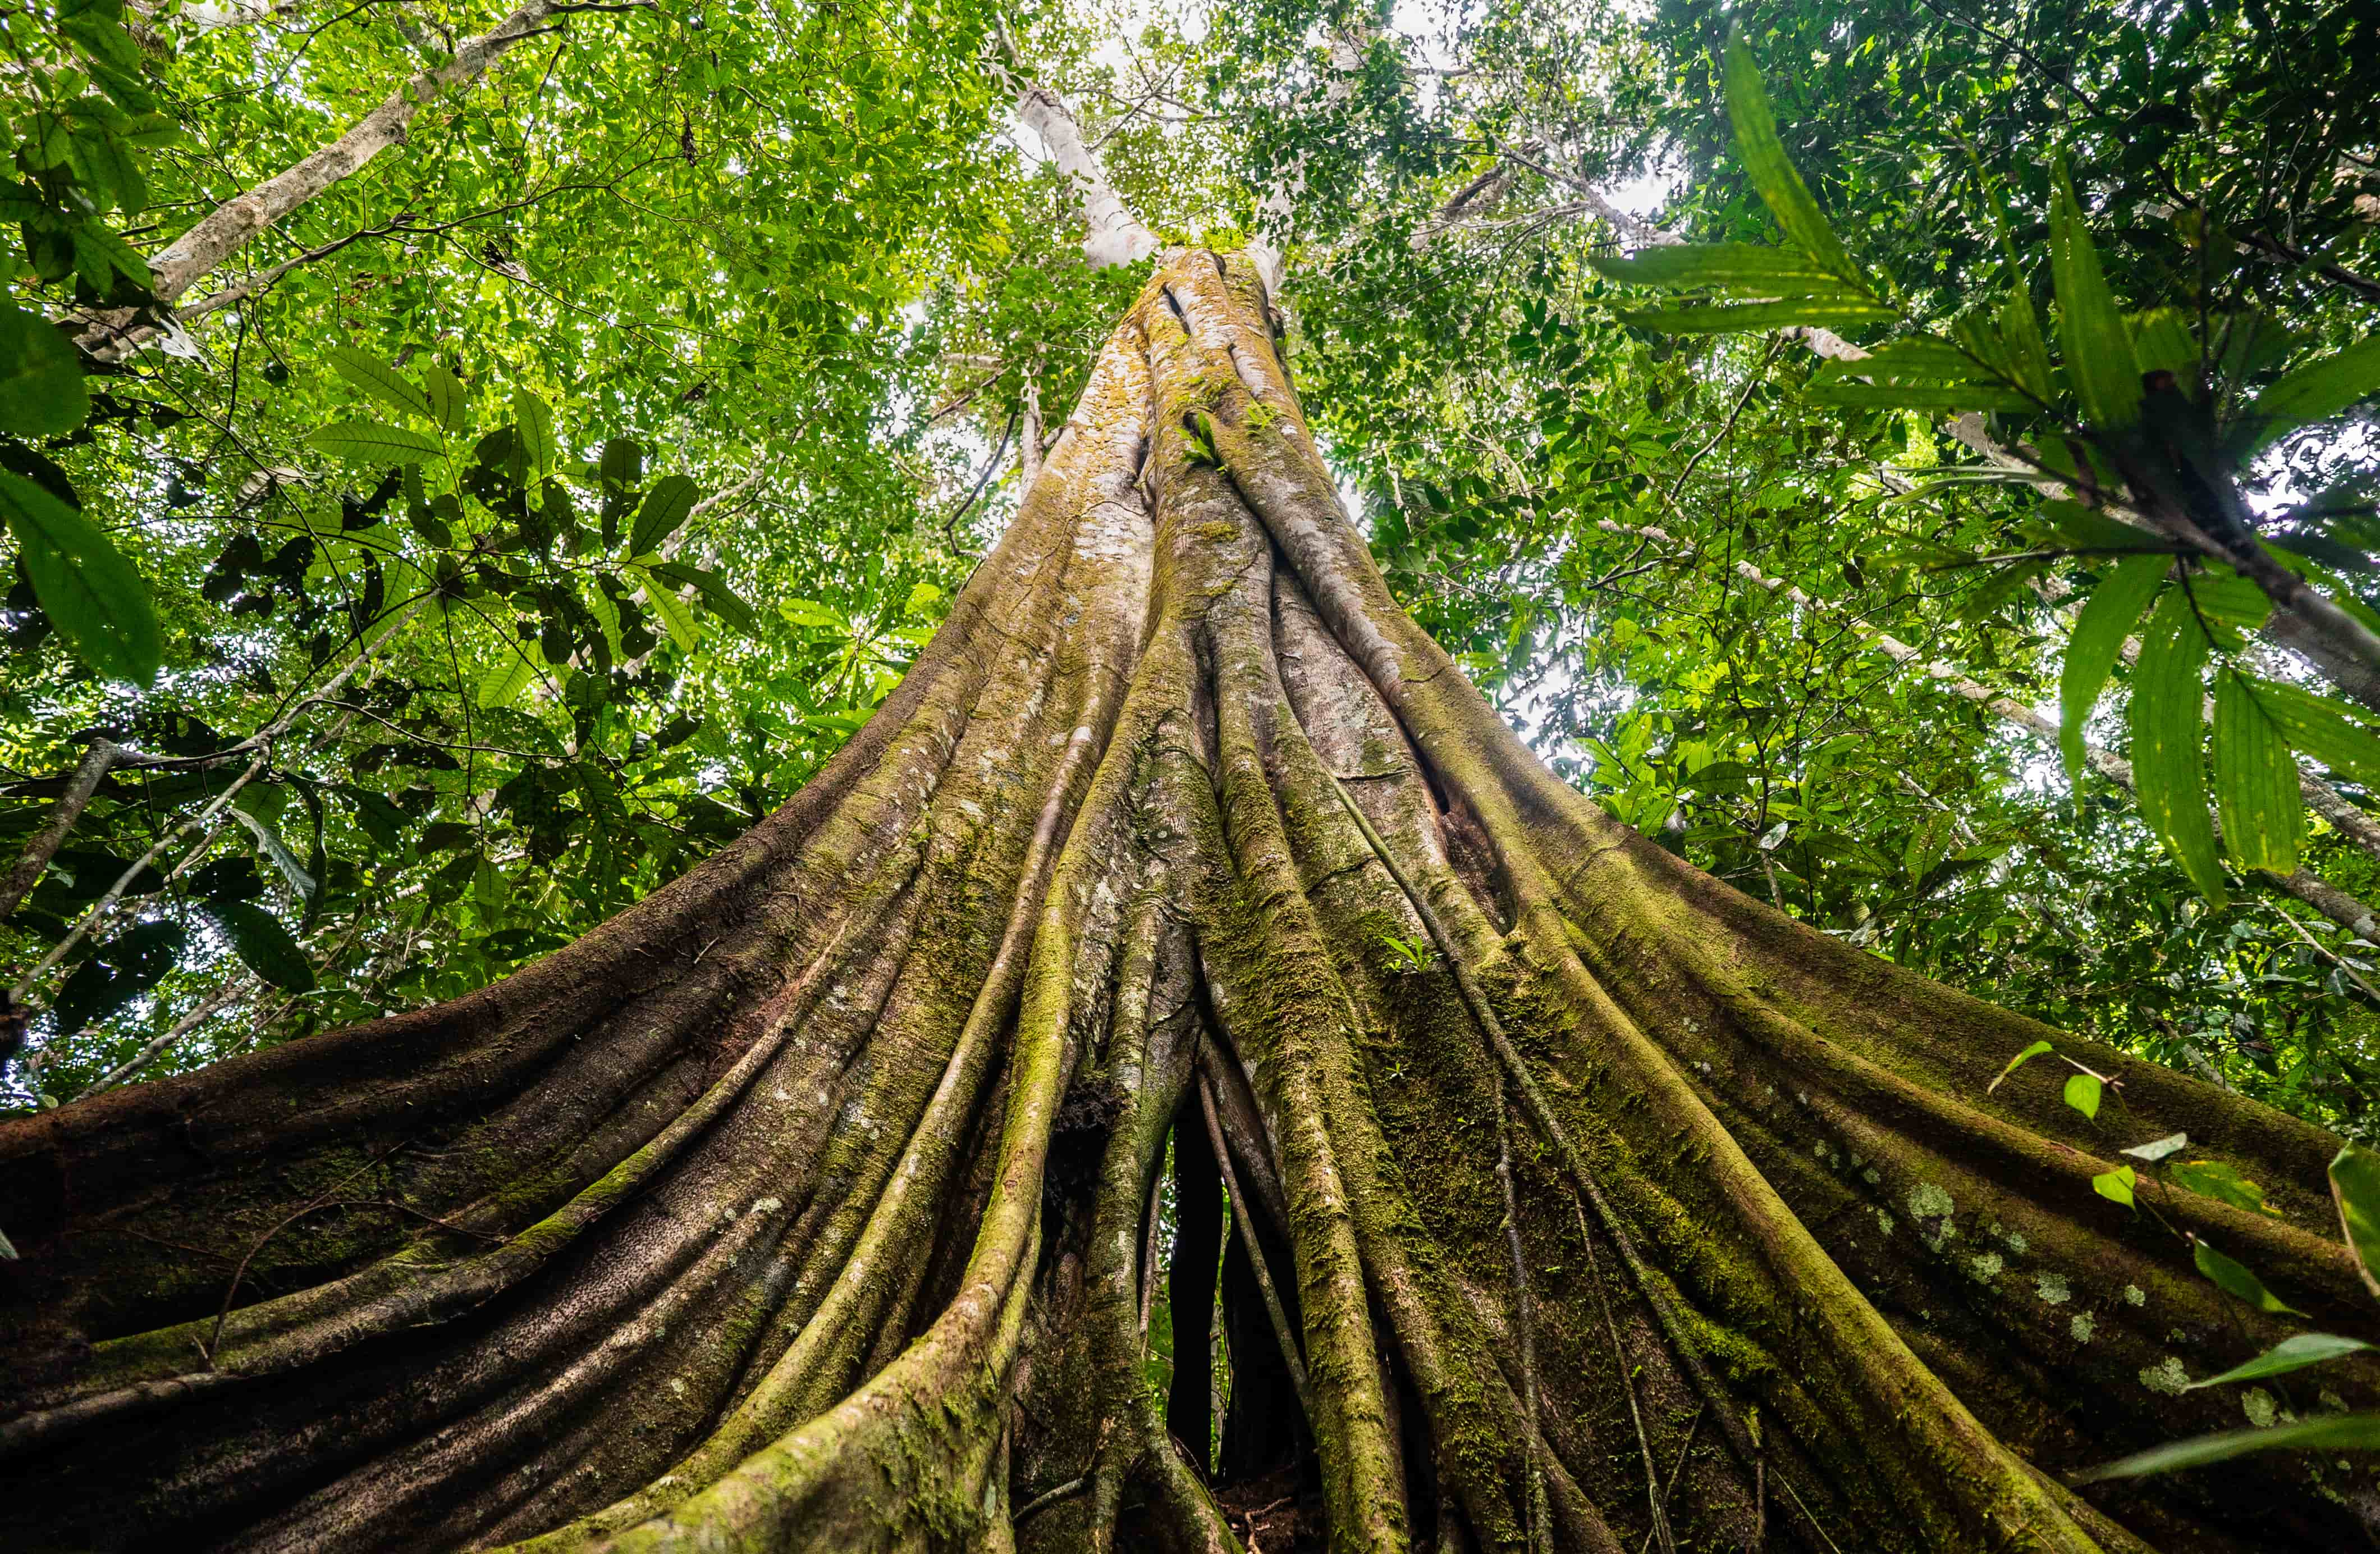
{"points": [[237, 988], [104, 753]]}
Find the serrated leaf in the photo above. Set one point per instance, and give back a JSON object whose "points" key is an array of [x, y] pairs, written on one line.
{"points": [[258, 939], [2315, 392], [2098, 346], [2083, 1092], [2116, 1186], [2355, 1188], [97, 600], [2237, 1280], [373, 444], [535, 418], [450, 401], [666, 506], [381, 381], [675, 615], [2156, 1149], [2337, 1432], [507, 678], [2168, 769], [1771, 172], [42, 392], [2256, 781], [2107, 618], [2291, 1353]]}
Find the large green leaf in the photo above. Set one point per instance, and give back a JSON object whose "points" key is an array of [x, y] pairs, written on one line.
{"points": [[2355, 1188], [2291, 1353], [95, 598], [670, 608], [2256, 781], [259, 939], [373, 444], [381, 381], [535, 421], [2107, 618], [2237, 1280], [715, 592], [507, 678], [1917, 374], [450, 401], [2315, 392], [42, 392], [2097, 343], [666, 506], [1772, 172], [2168, 769], [2337, 1432], [1753, 268], [2321, 728]]}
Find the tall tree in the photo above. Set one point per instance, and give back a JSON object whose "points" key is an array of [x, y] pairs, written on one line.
{"points": [[807, 1203]]}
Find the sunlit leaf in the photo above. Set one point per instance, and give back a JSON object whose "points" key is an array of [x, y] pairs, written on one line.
{"points": [[2166, 717], [373, 444], [2355, 1188], [381, 381], [2256, 781], [2098, 345], [2082, 1092], [1771, 171], [95, 598], [2291, 1353]]}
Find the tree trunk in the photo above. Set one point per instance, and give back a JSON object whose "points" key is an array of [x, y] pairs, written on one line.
{"points": [[804, 1206]]}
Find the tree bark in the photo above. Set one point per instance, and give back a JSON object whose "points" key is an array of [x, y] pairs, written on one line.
{"points": [[801, 1206]]}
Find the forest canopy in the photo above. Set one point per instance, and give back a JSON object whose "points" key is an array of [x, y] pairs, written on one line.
{"points": [[464, 468]]}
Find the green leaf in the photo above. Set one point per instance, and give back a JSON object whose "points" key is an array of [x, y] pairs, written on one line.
{"points": [[2098, 346], [507, 678], [42, 392], [2337, 1432], [2355, 1188], [2082, 1092], [715, 591], [1751, 268], [607, 619], [2116, 1184], [2315, 392], [1720, 317], [670, 608], [2215, 1179], [536, 421], [2235, 1280], [2038, 1048], [2291, 1353], [259, 939], [94, 596], [1771, 172], [450, 401], [2166, 710], [2256, 781], [666, 506], [258, 807], [381, 381], [373, 444], [810, 613], [2019, 332], [2321, 729], [2156, 1149]]}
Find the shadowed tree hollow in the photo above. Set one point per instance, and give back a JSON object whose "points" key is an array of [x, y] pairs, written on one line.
{"points": [[1575, 1200]]}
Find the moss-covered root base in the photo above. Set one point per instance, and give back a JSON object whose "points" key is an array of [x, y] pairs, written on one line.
{"points": [[829, 1198]]}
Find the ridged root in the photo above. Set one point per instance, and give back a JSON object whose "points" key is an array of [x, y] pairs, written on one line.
{"points": [[814, 1203]]}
